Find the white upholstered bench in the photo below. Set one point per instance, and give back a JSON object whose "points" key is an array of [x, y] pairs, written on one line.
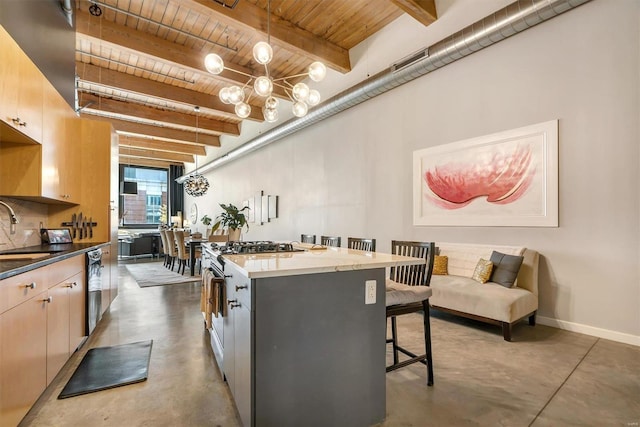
{"points": [[489, 302]]}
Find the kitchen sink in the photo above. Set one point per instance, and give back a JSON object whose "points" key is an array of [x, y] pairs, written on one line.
{"points": [[23, 257]]}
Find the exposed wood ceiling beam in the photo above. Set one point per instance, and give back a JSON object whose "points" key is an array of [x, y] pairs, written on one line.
{"points": [[161, 91], [154, 114], [127, 152], [154, 144], [423, 11], [147, 162], [137, 42], [283, 33], [157, 131]]}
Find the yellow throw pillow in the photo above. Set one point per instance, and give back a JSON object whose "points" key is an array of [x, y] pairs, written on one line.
{"points": [[440, 265], [483, 271]]}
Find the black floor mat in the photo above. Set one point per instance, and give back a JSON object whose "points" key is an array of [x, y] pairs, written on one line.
{"points": [[108, 367]]}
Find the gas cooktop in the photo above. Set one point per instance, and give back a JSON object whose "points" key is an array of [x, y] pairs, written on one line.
{"points": [[256, 247]]}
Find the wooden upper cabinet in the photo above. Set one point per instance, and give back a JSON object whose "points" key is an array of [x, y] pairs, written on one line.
{"points": [[21, 86], [60, 179]]}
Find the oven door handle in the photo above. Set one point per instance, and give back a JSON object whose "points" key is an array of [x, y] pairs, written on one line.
{"points": [[217, 273]]}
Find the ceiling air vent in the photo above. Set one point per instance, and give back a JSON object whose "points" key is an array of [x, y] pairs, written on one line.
{"points": [[406, 61]]}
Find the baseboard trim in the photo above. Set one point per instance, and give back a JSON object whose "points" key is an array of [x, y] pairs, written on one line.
{"points": [[589, 330]]}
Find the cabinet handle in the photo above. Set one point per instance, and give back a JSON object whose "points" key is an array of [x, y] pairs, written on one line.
{"points": [[19, 122], [71, 285], [241, 287], [31, 285], [228, 275], [48, 299], [234, 305], [231, 301]]}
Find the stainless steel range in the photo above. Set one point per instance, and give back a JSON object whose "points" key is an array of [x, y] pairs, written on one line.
{"points": [[212, 253], [256, 247]]}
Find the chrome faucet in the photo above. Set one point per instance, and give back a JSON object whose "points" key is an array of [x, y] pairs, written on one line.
{"points": [[12, 215]]}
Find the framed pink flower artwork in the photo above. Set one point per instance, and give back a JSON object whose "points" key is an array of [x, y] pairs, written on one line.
{"points": [[508, 179]]}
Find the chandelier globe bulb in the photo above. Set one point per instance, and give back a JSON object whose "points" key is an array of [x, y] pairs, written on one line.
{"points": [[236, 94], [300, 92], [271, 102], [224, 95], [263, 86], [213, 63], [243, 110], [270, 114], [300, 109], [262, 53], [313, 98], [317, 71]]}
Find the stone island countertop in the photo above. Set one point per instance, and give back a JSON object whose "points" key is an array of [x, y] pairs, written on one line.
{"points": [[326, 260]]}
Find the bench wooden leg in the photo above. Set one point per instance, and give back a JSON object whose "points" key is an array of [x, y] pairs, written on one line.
{"points": [[506, 331], [532, 319]]}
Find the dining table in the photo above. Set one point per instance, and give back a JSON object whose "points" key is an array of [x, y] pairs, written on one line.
{"points": [[193, 244]]}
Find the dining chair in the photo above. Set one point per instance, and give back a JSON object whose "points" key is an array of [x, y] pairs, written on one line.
{"points": [[368, 245], [165, 250], [308, 238], [408, 291], [330, 241], [171, 247], [183, 255]]}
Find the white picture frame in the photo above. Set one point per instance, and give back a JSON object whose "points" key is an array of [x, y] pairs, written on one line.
{"points": [[506, 179]]}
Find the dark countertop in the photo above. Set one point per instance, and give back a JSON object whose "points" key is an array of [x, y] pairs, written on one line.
{"points": [[59, 252]]}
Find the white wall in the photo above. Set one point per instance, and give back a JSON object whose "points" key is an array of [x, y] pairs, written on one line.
{"points": [[350, 175]]}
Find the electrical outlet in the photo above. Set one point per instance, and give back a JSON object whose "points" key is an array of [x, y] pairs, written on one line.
{"points": [[370, 292]]}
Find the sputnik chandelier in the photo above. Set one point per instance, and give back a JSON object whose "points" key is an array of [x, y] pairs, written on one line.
{"points": [[300, 94], [196, 185]]}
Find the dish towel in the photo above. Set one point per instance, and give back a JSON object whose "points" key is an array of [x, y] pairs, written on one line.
{"points": [[205, 297]]}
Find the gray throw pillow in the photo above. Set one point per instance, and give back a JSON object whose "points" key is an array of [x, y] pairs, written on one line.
{"points": [[505, 268]]}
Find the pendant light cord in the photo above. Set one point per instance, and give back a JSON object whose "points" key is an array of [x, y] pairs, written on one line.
{"points": [[197, 110]]}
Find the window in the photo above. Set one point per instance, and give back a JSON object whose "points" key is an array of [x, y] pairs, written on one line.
{"points": [[143, 209]]}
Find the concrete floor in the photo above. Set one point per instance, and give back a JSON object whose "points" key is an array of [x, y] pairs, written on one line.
{"points": [[545, 377]]}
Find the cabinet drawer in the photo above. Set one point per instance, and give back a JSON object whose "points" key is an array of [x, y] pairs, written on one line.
{"points": [[62, 270], [17, 289], [243, 291], [240, 286]]}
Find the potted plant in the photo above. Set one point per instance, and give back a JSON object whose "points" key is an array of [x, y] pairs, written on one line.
{"points": [[207, 222], [233, 219]]}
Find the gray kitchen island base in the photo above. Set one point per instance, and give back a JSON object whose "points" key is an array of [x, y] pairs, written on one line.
{"points": [[304, 350]]}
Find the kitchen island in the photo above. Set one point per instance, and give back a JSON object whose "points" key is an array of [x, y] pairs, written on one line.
{"points": [[302, 337]]}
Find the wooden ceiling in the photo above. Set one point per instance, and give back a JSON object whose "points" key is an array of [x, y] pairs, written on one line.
{"points": [[140, 63]]}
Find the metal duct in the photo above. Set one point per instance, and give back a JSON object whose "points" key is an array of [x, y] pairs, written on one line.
{"points": [[510, 20], [68, 11]]}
